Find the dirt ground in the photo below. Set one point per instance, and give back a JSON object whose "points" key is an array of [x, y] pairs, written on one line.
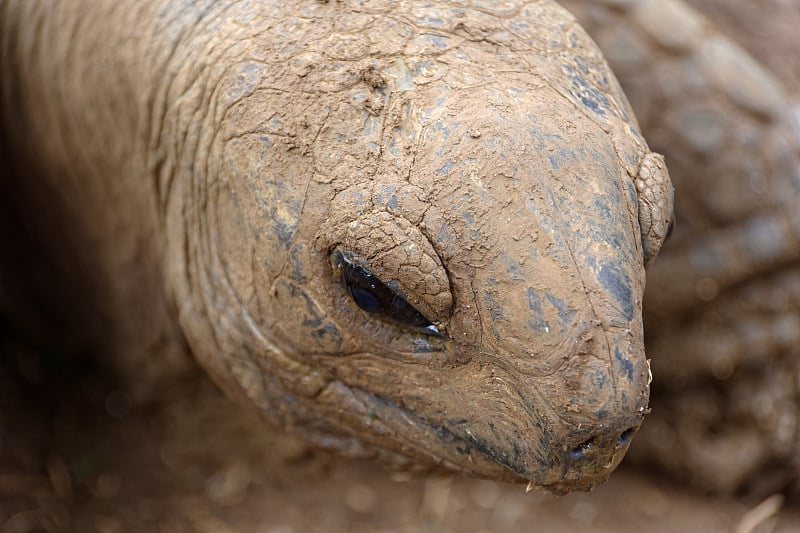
{"points": [[76, 455]]}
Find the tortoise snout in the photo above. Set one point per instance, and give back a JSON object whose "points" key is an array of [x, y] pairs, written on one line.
{"points": [[598, 446], [586, 458]]}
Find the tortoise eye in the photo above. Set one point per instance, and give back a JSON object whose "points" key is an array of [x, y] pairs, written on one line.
{"points": [[670, 228], [376, 297]]}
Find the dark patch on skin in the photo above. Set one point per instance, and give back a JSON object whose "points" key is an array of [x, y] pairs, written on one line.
{"points": [[535, 304], [422, 67], [284, 224], [598, 379], [294, 299], [312, 317], [518, 25], [395, 148], [438, 41], [284, 231], [328, 333], [542, 139], [512, 267], [247, 77], [618, 285], [568, 155], [565, 314], [445, 169], [431, 21], [605, 233], [297, 264], [490, 300], [633, 195], [591, 97], [445, 133], [386, 194], [444, 238], [601, 205], [515, 451], [624, 362]]}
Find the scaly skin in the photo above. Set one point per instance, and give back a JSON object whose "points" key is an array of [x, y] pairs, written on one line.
{"points": [[723, 301], [239, 158]]}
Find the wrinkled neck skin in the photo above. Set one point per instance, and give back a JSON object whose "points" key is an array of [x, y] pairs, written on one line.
{"points": [[483, 165], [80, 122]]}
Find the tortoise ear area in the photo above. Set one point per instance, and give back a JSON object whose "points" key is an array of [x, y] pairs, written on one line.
{"points": [[656, 197]]}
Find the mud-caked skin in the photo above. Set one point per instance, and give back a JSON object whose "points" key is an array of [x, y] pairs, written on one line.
{"points": [[416, 227], [722, 311]]}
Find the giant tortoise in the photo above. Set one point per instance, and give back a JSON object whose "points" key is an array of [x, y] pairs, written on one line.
{"points": [[414, 227]]}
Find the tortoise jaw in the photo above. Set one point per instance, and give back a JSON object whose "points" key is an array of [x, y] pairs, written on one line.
{"points": [[457, 448], [434, 443]]}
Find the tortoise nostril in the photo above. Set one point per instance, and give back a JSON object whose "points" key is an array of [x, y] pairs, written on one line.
{"points": [[625, 437], [580, 450], [601, 445]]}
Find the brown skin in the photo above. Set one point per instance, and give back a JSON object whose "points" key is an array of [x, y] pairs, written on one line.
{"points": [[723, 300], [482, 164]]}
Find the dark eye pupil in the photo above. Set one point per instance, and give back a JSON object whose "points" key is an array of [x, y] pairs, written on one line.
{"points": [[375, 297], [365, 299], [670, 228]]}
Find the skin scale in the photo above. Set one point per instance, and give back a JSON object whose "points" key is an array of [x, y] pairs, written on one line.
{"points": [[204, 161]]}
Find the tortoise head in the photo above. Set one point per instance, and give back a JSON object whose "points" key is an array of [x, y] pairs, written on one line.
{"points": [[441, 258], [489, 300]]}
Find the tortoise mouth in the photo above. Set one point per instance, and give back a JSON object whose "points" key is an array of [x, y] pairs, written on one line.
{"points": [[456, 448]]}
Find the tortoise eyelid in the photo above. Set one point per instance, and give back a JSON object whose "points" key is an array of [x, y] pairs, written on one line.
{"points": [[375, 297]]}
